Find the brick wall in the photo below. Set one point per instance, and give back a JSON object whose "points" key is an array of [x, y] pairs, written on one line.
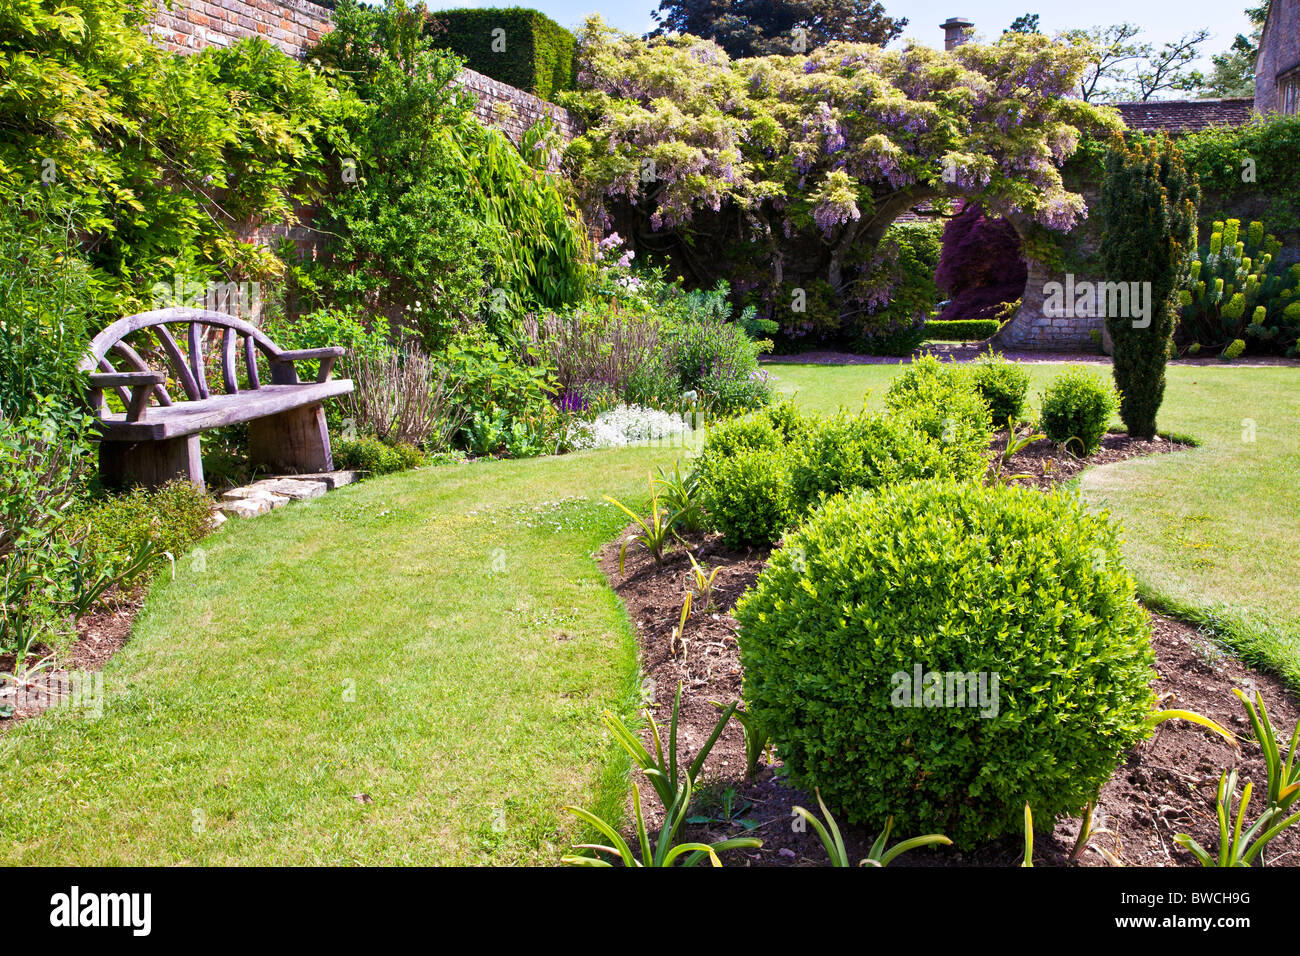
{"points": [[1279, 52], [292, 25]]}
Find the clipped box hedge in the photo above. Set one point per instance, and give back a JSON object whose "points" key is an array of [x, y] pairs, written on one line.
{"points": [[537, 55], [961, 330]]}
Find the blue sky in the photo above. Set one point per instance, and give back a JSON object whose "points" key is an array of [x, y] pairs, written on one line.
{"points": [[1161, 20]]}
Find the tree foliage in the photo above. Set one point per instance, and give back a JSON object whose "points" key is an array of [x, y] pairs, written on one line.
{"points": [[762, 27], [1148, 209]]}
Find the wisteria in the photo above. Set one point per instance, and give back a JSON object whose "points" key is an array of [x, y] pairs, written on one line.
{"points": [[834, 143]]}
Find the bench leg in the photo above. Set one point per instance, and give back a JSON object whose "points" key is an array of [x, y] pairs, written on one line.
{"points": [[150, 463], [296, 441]]}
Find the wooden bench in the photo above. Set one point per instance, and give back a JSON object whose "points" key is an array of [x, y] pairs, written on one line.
{"points": [[150, 444]]}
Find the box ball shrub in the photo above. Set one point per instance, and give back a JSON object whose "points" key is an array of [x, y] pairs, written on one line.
{"points": [[847, 452], [949, 578], [746, 496], [940, 400], [1003, 385], [1077, 407]]}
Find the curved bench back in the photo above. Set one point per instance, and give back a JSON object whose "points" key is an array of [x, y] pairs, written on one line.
{"points": [[187, 366]]}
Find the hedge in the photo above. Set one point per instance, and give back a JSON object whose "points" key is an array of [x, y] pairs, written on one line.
{"points": [[961, 330], [538, 54]]}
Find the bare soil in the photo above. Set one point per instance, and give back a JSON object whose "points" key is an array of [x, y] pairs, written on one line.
{"points": [[1167, 786], [100, 635]]}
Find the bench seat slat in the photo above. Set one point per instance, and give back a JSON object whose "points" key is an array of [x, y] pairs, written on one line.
{"points": [[189, 418]]}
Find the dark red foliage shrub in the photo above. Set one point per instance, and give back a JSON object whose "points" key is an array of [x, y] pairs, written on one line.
{"points": [[980, 267]]}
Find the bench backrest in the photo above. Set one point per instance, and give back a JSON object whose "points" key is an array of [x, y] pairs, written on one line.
{"points": [[188, 366]]}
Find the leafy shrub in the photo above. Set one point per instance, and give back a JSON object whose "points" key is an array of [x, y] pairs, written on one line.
{"points": [[1238, 290], [539, 52], [42, 457], [747, 495], [508, 238], [887, 306], [175, 517], [1234, 350], [940, 400], [46, 294], [846, 452], [734, 435], [961, 330], [1077, 407], [161, 153], [372, 456], [949, 578], [1003, 385], [505, 404], [788, 419]]}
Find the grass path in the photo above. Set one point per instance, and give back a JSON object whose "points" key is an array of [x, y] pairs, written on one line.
{"points": [[1212, 533], [439, 641], [411, 670]]}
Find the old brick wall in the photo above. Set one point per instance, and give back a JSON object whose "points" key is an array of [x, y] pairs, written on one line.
{"points": [[292, 25]]}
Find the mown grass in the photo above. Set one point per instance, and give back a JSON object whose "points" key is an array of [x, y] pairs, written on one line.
{"points": [[1209, 533], [410, 670]]}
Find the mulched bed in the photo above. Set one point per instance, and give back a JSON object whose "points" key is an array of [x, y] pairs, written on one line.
{"points": [[1166, 787], [100, 635], [1047, 465]]}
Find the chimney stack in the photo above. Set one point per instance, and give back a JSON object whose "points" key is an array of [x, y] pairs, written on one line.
{"points": [[956, 32]]}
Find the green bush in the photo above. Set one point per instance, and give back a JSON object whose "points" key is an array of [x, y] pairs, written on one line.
{"points": [[538, 53], [1077, 407], [174, 517], [949, 578], [747, 496], [941, 401], [46, 295], [43, 457], [1003, 385], [374, 457], [731, 436], [961, 330], [845, 452]]}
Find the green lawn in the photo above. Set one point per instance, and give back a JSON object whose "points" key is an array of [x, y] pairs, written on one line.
{"points": [[439, 640], [442, 642], [1210, 533]]}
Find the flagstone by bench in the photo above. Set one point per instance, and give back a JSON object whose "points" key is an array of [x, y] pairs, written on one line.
{"points": [[155, 437]]}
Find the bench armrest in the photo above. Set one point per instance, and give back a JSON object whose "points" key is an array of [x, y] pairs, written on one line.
{"points": [[130, 379], [327, 356], [300, 355], [141, 384]]}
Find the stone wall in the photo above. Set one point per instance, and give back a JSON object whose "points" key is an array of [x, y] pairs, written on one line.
{"points": [[1279, 52]]}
